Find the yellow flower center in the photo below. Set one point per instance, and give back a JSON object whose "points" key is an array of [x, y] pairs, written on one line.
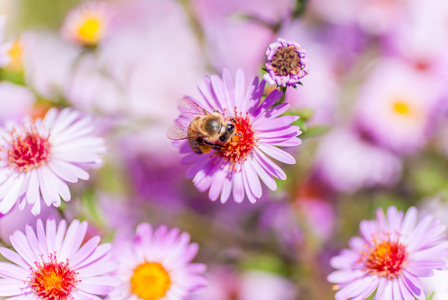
{"points": [[401, 108], [91, 30], [150, 281], [16, 54]]}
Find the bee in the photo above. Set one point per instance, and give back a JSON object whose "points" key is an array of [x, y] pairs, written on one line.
{"points": [[205, 131]]}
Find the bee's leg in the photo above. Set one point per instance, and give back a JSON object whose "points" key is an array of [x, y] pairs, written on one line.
{"points": [[217, 147], [213, 146]]}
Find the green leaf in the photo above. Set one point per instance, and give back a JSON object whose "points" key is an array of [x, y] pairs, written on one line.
{"points": [[90, 204], [314, 131], [301, 123], [265, 263]]}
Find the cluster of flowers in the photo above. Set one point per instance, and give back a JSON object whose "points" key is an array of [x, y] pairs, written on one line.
{"points": [[41, 155], [51, 148], [56, 262]]}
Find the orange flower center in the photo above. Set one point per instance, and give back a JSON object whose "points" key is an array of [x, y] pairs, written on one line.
{"points": [[150, 281], [242, 143], [385, 258], [53, 280], [29, 150]]}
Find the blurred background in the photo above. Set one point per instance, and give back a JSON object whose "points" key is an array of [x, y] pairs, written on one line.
{"points": [[373, 114]]}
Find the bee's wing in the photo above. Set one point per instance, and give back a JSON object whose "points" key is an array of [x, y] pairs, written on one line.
{"points": [[177, 132], [189, 109]]}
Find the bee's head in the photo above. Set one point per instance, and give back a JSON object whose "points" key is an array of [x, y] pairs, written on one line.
{"points": [[229, 131]]}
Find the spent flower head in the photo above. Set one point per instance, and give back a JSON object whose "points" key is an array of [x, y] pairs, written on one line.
{"points": [[390, 257], [51, 264], [286, 63], [237, 166], [39, 157]]}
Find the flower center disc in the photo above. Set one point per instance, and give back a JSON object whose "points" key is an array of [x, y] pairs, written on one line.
{"points": [[385, 258], [90, 30], [286, 61], [53, 280], [401, 108], [241, 144], [29, 150], [150, 281]]}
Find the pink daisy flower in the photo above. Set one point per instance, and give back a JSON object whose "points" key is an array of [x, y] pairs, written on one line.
{"points": [[398, 106], [236, 168], [51, 264], [88, 24], [156, 265], [390, 256], [39, 157], [287, 63]]}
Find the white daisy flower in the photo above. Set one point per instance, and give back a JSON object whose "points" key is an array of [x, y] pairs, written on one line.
{"points": [[39, 157]]}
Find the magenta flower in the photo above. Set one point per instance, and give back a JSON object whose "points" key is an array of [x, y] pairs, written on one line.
{"points": [[39, 157], [390, 256], [237, 167], [286, 63], [51, 264], [157, 265]]}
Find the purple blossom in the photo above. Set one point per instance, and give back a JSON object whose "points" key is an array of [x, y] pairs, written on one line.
{"points": [[390, 257], [238, 167], [50, 263]]}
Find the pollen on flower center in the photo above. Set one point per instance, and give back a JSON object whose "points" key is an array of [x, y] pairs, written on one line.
{"points": [[286, 61], [28, 149], [150, 281], [242, 143], [53, 280], [386, 258]]}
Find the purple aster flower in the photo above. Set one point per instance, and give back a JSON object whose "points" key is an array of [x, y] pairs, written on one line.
{"points": [[156, 265], [286, 63], [398, 106], [51, 264], [237, 167], [341, 162], [39, 157], [390, 257]]}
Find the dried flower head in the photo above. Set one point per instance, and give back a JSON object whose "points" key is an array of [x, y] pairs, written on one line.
{"points": [[286, 63]]}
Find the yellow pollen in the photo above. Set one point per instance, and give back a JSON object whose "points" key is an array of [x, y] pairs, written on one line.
{"points": [[91, 30], [402, 108], [16, 54], [150, 281]]}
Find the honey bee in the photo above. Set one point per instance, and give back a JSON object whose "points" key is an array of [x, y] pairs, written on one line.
{"points": [[205, 131]]}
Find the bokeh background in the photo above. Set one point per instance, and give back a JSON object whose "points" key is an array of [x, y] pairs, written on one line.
{"points": [[373, 114]]}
